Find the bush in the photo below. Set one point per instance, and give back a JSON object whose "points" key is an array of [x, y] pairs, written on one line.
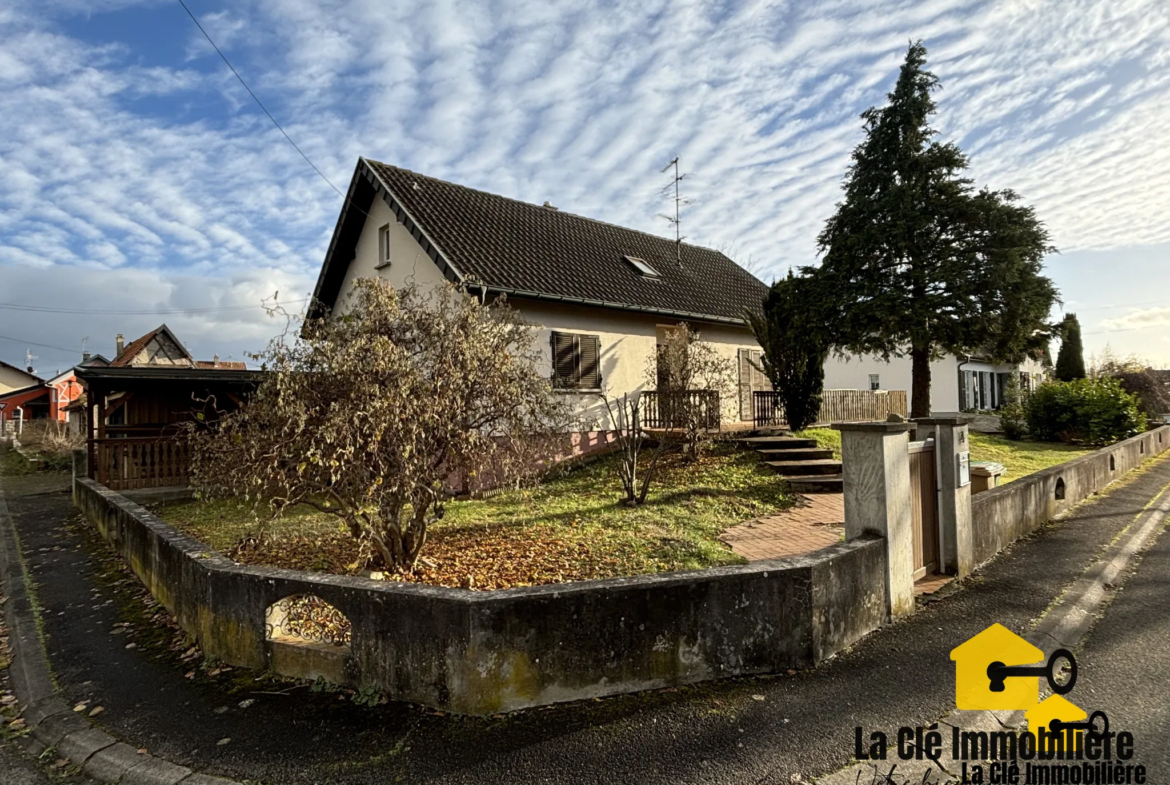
{"points": [[1011, 414], [1090, 411]]}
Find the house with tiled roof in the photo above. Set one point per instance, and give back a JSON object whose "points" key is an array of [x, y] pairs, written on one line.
{"points": [[134, 408], [604, 297], [160, 348]]}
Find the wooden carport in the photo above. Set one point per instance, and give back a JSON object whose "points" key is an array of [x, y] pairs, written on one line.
{"points": [[134, 419]]}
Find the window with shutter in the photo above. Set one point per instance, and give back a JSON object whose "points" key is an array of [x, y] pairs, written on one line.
{"points": [[576, 361], [590, 356]]}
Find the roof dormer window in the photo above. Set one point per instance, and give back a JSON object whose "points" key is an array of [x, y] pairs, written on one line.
{"points": [[642, 266]]}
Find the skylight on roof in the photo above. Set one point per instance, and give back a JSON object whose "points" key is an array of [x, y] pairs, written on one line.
{"points": [[642, 266]]}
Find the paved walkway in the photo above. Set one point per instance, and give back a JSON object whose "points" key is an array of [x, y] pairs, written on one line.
{"points": [[767, 731], [818, 521]]}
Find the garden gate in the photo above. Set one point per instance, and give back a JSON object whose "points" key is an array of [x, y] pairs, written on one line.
{"points": [[924, 508]]}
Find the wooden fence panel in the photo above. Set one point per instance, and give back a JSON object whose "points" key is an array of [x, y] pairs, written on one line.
{"points": [[836, 406]]}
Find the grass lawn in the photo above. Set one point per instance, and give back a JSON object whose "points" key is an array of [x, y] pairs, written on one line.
{"points": [[569, 528], [1023, 457], [827, 439]]}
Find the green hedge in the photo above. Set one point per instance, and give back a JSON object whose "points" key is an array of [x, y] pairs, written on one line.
{"points": [[1088, 411]]}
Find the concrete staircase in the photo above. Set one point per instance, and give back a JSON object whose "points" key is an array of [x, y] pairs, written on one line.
{"points": [[807, 467]]}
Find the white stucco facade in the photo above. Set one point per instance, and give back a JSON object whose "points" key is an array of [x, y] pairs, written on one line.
{"points": [[628, 340], [956, 383], [409, 263]]}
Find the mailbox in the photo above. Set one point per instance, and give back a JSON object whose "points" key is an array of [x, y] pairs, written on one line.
{"points": [[964, 469]]}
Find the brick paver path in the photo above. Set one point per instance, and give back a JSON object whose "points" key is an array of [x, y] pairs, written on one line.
{"points": [[816, 522]]}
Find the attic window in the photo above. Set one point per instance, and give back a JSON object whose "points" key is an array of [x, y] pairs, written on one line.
{"points": [[642, 266]]}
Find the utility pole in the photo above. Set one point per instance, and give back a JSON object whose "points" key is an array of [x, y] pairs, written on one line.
{"points": [[678, 203]]}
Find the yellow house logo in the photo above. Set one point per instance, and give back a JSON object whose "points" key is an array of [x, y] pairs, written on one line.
{"points": [[998, 670]]}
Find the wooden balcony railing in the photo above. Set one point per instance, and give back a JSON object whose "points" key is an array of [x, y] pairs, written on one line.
{"points": [[675, 409], [128, 464]]}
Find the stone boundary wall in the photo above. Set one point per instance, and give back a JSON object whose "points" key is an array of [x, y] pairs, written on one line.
{"points": [[1002, 515], [487, 652]]}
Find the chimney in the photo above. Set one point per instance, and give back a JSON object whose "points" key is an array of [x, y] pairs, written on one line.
{"points": [[121, 344], [85, 357], [215, 360]]}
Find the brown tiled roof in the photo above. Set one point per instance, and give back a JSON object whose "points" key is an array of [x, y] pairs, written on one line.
{"points": [[524, 249], [131, 350]]}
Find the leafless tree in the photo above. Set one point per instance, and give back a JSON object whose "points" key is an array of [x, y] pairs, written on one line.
{"points": [[625, 414]]}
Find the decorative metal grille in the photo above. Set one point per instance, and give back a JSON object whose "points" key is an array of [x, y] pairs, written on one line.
{"points": [[308, 618]]}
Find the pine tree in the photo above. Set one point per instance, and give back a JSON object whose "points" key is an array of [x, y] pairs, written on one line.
{"points": [[1070, 362], [919, 263]]}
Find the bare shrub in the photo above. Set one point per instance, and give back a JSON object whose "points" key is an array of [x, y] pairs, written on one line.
{"points": [[366, 415]]}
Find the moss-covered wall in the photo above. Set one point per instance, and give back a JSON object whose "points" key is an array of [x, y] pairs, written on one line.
{"points": [[486, 652]]}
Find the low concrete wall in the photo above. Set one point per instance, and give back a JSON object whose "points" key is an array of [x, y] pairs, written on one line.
{"points": [[486, 652], [1002, 515]]}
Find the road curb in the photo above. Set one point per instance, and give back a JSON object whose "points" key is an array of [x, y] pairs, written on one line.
{"points": [[1065, 626], [51, 722]]}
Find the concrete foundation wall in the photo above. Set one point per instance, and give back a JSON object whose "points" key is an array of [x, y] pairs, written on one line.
{"points": [[1002, 515], [486, 652]]}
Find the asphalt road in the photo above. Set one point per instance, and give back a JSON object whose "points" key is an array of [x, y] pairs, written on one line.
{"points": [[763, 730], [1125, 663]]}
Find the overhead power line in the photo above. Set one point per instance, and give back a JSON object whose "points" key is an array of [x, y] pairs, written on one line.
{"points": [[39, 345], [257, 100]]}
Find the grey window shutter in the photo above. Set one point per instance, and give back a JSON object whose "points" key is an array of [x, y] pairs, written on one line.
{"points": [[564, 360], [745, 384], [590, 367]]}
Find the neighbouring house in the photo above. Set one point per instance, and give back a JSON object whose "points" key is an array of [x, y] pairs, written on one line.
{"points": [[957, 384], [45, 399], [604, 297], [14, 378], [135, 408]]}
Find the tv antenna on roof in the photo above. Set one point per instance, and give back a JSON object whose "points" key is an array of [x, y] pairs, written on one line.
{"points": [[679, 201], [28, 360]]}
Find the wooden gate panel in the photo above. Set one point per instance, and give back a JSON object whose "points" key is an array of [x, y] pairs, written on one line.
{"points": [[924, 508]]}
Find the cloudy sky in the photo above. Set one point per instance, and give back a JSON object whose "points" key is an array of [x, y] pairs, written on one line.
{"points": [[138, 178]]}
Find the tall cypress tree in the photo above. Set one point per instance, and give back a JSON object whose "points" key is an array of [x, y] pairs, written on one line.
{"points": [[919, 263], [1070, 362]]}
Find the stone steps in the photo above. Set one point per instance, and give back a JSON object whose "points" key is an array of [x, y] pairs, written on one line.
{"points": [[802, 468], [808, 467], [776, 442], [797, 454], [817, 483]]}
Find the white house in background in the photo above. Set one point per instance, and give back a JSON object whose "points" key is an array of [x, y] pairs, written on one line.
{"points": [[604, 297], [956, 383]]}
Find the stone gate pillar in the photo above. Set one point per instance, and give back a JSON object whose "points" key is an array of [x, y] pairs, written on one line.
{"points": [[875, 465]]}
